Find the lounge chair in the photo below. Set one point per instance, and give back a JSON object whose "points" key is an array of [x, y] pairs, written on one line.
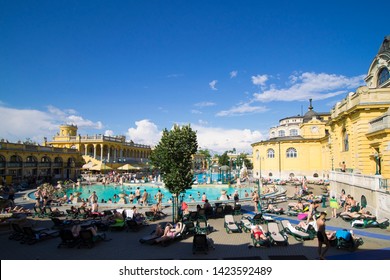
{"points": [[230, 225], [237, 210], [17, 234], [82, 213], [350, 216], [31, 236], [87, 239], [202, 226], [190, 228], [259, 218], [38, 212], [118, 225], [261, 242], [277, 236], [61, 224], [133, 225], [150, 216], [149, 239], [245, 224], [366, 223], [296, 232], [202, 214], [165, 240], [193, 216], [345, 240], [218, 211], [228, 209], [200, 244], [67, 239], [48, 212]]}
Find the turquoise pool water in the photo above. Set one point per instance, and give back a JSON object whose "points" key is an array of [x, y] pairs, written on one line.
{"points": [[108, 191]]}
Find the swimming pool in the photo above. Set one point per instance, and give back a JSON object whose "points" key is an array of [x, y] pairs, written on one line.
{"points": [[109, 191]]}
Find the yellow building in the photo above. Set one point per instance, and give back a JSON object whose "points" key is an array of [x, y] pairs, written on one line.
{"points": [[297, 147], [33, 162], [113, 151], [356, 132]]}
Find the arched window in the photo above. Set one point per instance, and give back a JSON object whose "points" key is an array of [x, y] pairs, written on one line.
{"points": [[272, 134], [270, 174], [281, 133], [345, 141], [293, 132], [270, 153], [45, 159], [31, 159], [383, 76], [291, 153], [315, 175]]}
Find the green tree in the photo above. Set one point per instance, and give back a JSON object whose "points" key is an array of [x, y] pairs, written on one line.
{"points": [[173, 157], [223, 159]]}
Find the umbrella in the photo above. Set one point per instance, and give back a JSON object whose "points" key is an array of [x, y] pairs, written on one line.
{"points": [[87, 165], [100, 167], [128, 166]]}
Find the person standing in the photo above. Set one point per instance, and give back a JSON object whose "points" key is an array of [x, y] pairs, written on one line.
{"points": [[159, 197], [255, 199], [321, 236]]}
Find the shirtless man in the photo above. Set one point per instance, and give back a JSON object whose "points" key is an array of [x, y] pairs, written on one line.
{"points": [[138, 195], [321, 235], [255, 199]]}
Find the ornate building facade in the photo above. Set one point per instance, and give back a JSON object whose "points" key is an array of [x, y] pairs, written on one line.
{"points": [[356, 132], [113, 151], [294, 148]]}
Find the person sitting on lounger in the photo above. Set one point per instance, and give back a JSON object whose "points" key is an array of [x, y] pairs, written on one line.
{"points": [[171, 231], [77, 228], [258, 233], [298, 206]]}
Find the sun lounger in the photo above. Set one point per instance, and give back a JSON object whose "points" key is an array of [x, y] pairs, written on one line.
{"points": [[246, 224], [261, 242], [202, 226], [165, 240], [31, 235], [200, 244], [277, 236], [349, 216], [366, 223], [230, 225], [67, 239], [87, 239], [296, 232]]}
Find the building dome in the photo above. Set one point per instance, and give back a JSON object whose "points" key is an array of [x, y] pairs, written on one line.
{"points": [[310, 113]]}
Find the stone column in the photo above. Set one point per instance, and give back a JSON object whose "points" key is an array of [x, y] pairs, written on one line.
{"points": [[94, 151], [101, 152], [108, 153]]}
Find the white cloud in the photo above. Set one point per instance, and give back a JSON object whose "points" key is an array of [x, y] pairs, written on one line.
{"points": [[175, 75], [35, 124], [213, 84], [145, 132], [233, 74], [204, 104], [221, 139], [310, 85], [242, 109], [109, 133], [213, 138], [196, 112], [259, 80]]}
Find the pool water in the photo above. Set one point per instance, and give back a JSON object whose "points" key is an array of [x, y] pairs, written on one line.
{"points": [[108, 191]]}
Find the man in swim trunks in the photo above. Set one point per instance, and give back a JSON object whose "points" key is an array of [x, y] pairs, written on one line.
{"points": [[258, 233], [321, 236]]}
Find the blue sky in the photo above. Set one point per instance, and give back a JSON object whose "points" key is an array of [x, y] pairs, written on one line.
{"points": [[231, 69]]}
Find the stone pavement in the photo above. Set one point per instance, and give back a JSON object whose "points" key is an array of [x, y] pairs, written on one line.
{"points": [[125, 245]]}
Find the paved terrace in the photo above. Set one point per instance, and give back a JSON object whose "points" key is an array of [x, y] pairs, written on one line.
{"points": [[125, 245]]}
